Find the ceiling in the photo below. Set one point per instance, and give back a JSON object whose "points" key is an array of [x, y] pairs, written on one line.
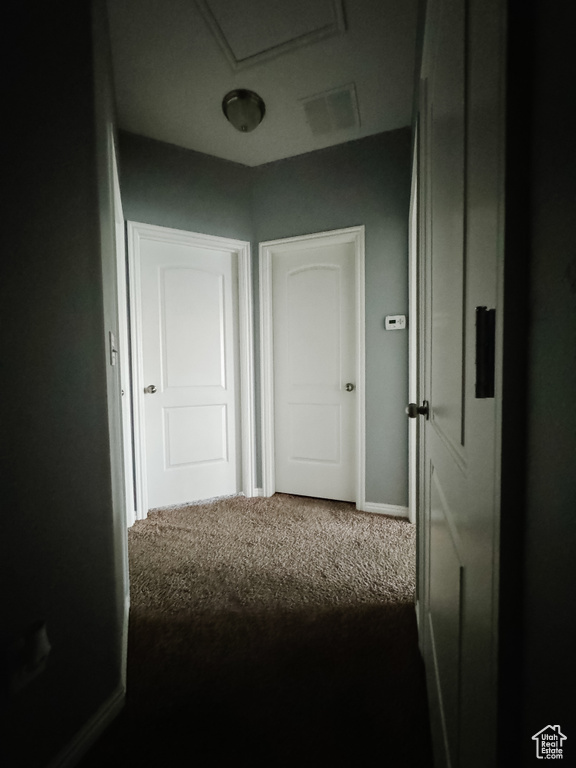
{"points": [[174, 61]]}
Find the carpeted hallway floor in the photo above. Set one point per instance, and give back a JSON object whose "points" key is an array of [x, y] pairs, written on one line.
{"points": [[277, 632]]}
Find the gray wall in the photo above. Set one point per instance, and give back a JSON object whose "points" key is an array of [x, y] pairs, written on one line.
{"points": [[172, 187], [59, 559], [363, 182]]}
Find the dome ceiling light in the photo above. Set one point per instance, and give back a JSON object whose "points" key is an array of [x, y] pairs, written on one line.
{"points": [[244, 109]]}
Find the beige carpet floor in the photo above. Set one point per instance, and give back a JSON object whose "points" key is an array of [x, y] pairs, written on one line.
{"points": [[275, 632]]}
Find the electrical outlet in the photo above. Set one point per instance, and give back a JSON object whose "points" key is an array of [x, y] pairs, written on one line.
{"points": [[30, 655]]}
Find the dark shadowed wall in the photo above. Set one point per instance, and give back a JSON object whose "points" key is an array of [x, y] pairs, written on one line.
{"points": [[549, 629], [538, 534], [60, 561]]}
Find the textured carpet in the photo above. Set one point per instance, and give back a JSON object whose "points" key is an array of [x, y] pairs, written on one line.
{"points": [[276, 632]]}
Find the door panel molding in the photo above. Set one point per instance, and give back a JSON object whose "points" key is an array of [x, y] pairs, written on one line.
{"points": [[354, 235], [241, 251], [459, 456]]}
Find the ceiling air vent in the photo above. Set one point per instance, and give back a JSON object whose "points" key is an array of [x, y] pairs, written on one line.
{"points": [[335, 110]]}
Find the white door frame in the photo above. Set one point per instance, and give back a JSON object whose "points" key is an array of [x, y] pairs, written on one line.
{"points": [[353, 235], [413, 347], [241, 250], [123, 345], [123, 359]]}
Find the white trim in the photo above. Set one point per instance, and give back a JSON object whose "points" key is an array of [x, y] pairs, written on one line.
{"points": [[90, 732], [141, 500], [124, 649], [335, 26], [360, 366], [241, 249], [413, 320], [259, 493], [246, 365], [353, 235], [125, 408], [123, 342], [386, 509], [267, 373]]}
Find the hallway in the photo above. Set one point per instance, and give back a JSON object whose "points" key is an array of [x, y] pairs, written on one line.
{"points": [[279, 631]]}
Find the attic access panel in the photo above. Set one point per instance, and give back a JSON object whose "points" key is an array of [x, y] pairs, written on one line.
{"points": [[256, 30]]}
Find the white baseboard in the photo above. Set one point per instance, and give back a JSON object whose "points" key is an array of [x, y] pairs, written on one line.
{"points": [[125, 623], [419, 629], [385, 509], [86, 737], [259, 493]]}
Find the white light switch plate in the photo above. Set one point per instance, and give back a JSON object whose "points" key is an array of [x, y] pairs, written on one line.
{"points": [[113, 349], [395, 322]]}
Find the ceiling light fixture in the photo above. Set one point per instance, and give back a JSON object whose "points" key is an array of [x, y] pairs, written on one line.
{"points": [[244, 109]]}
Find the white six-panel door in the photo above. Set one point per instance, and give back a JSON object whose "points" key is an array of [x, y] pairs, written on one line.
{"points": [[314, 380], [188, 384]]}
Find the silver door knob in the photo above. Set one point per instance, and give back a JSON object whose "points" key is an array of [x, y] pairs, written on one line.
{"points": [[350, 387], [151, 390], [413, 410]]}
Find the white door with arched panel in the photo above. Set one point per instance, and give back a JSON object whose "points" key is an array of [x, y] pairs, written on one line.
{"points": [[190, 365], [313, 375]]}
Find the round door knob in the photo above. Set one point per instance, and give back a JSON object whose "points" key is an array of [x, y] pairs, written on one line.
{"points": [[350, 387], [413, 410], [151, 390]]}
